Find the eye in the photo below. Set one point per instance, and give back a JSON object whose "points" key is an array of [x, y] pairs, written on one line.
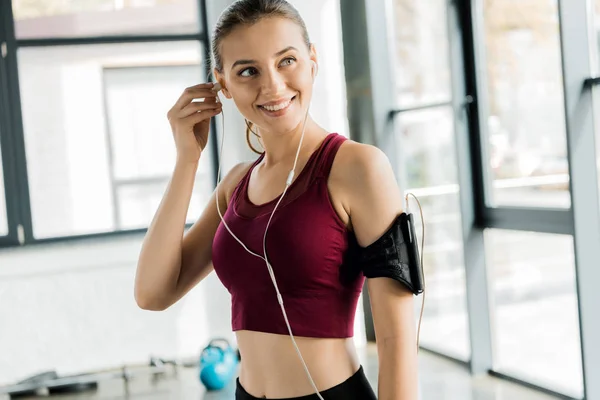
{"points": [[288, 61], [243, 72]]}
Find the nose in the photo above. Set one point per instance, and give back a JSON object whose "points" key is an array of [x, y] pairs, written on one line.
{"points": [[273, 82]]}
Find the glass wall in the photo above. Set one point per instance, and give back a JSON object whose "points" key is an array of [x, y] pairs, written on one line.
{"points": [[420, 40], [525, 121], [492, 121], [3, 214], [595, 32], [53, 19], [99, 147], [427, 162], [534, 308], [94, 84], [516, 131]]}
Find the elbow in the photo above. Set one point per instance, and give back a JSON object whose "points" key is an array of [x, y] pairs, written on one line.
{"points": [[149, 302]]}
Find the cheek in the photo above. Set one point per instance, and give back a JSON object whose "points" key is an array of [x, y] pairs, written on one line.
{"points": [[241, 96], [304, 83]]}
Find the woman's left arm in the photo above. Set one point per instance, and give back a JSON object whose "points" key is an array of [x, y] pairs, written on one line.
{"points": [[374, 200]]}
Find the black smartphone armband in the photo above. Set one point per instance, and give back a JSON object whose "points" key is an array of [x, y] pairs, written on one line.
{"points": [[394, 255]]}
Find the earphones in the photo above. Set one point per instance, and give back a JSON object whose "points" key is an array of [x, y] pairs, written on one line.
{"points": [[216, 88]]}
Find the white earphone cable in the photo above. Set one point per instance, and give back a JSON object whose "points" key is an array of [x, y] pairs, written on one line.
{"points": [[265, 258], [420, 260]]}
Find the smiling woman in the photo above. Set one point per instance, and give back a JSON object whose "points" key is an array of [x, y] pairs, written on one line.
{"points": [[243, 61], [285, 272]]}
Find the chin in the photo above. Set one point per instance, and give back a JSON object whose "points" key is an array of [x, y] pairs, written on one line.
{"points": [[283, 121]]}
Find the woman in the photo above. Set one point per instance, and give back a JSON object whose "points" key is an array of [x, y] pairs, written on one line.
{"points": [[265, 63]]}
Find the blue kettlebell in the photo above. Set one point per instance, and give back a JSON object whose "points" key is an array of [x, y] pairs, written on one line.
{"points": [[218, 363]]}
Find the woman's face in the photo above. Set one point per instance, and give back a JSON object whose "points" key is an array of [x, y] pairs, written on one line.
{"points": [[267, 70]]}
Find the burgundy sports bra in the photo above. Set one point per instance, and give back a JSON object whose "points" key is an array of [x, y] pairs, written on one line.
{"points": [[306, 245]]}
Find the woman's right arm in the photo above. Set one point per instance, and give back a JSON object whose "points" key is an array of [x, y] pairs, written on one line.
{"points": [[171, 263]]}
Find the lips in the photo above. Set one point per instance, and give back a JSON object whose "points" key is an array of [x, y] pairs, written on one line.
{"points": [[277, 108]]}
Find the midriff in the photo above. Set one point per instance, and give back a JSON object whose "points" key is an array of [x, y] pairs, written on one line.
{"points": [[271, 367]]}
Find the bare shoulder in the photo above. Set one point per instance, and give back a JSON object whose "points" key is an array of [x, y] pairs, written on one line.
{"points": [[367, 187], [358, 166], [360, 154]]}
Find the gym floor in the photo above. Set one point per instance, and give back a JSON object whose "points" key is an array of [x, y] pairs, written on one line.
{"points": [[439, 378]]}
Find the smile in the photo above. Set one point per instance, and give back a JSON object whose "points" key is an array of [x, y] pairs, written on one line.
{"points": [[277, 109], [279, 106]]}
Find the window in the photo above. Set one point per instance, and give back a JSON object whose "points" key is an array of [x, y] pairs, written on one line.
{"points": [[51, 18], [142, 155], [3, 214], [535, 312], [428, 152], [596, 64], [99, 146], [421, 44], [525, 122], [427, 157]]}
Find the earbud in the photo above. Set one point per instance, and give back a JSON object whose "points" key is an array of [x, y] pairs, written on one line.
{"points": [[315, 68], [217, 87]]}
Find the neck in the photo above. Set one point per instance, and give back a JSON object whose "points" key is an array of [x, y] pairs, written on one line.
{"points": [[281, 148]]}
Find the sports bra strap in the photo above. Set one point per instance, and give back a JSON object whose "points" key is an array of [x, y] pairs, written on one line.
{"points": [[327, 156], [318, 166]]}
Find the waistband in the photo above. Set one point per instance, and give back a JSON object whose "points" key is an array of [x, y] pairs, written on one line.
{"points": [[355, 387]]}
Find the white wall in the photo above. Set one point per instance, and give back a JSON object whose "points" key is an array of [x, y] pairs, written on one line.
{"points": [[70, 306]]}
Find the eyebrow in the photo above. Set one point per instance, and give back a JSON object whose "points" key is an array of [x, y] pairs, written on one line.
{"points": [[245, 62]]}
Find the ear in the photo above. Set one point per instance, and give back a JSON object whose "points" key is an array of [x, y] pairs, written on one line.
{"points": [[221, 79], [226, 92], [313, 56]]}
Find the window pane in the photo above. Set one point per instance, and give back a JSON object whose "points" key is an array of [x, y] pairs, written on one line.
{"points": [[427, 146], [45, 19], [136, 202], [526, 122], [3, 215], [100, 142], [421, 43], [596, 41], [596, 33], [140, 167], [536, 324]]}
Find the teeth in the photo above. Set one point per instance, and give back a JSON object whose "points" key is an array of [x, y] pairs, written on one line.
{"points": [[278, 107]]}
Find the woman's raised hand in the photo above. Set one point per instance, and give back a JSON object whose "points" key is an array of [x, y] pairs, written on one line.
{"points": [[190, 120]]}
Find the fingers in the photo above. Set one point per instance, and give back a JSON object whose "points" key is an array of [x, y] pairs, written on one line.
{"points": [[203, 90], [195, 118], [195, 107], [214, 99]]}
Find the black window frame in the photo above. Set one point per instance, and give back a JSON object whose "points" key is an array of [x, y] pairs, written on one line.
{"points": [[12, 141]]}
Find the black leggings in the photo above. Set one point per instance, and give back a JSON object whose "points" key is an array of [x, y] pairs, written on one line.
{"points": [[356, 387]]}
